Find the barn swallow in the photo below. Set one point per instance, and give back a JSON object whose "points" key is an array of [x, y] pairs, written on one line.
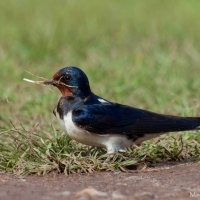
{"points": [[95, 121]]}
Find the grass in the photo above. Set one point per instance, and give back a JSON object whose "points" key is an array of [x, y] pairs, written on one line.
{"points": [[140, 53]]}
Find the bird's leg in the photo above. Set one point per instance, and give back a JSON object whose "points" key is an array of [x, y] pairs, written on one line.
{"points": [[112, 152], [108, 156]]}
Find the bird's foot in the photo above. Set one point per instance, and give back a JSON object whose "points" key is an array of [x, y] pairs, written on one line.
{"points": [[110, 154]]}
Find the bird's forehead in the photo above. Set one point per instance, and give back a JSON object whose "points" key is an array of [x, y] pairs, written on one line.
{"points": [[61, 72], [57, 75]]}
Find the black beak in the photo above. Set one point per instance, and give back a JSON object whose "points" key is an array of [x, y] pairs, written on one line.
{"points": [[49, 82]]}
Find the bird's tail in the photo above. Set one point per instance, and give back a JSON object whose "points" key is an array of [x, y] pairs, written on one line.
{"points": [[153, 125], [156, 123]]}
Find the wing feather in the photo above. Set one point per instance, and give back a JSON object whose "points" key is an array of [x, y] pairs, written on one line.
{"points": [[117, 118]]}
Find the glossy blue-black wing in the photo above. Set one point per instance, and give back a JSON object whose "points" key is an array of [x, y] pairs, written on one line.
{"points": [[106, 118], [116, 118]]}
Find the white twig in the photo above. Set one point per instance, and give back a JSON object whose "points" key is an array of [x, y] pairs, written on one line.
{"points": [[31, 81]]}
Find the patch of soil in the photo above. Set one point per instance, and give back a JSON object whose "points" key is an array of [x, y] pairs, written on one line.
{"points": [[167, 181]]}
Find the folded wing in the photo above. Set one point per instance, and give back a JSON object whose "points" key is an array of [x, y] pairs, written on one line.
{"points": [[116, 118]]}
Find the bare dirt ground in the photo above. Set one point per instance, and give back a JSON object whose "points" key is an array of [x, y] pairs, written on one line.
{"points": [[167, 181]]}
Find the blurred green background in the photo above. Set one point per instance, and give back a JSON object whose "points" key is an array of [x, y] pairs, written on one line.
{"points": [[141, 53]]}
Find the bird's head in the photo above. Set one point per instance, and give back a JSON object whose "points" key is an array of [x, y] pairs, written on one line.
{"points": [[71, 81]]}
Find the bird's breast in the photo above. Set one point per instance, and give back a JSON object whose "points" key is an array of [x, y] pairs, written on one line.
{"points": [[112, 141], [81, 135]]}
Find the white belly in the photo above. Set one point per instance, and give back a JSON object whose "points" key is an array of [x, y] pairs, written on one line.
{"points": [[112, 142]]}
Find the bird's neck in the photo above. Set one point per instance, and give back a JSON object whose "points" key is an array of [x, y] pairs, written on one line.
{"points": [[67, 104], [82, 92]]}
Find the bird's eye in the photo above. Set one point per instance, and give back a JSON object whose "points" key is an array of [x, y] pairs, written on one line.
{"points": [[68, 77]]}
